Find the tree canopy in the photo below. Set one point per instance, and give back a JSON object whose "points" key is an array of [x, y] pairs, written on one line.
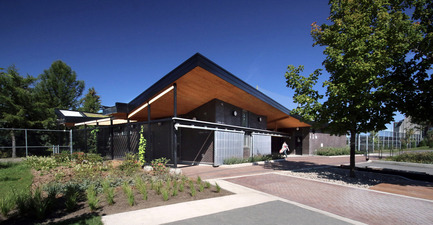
{"points": [[91, 102], [59, 88], [364, 42]]}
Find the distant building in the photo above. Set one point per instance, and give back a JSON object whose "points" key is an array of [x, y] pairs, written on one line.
{"points": [[403, 125]]}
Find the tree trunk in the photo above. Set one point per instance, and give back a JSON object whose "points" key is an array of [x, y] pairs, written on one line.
{"points": [[352, 152], [14, 148]]}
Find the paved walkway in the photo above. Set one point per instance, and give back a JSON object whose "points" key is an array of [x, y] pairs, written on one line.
{"points": [[264, 194]]}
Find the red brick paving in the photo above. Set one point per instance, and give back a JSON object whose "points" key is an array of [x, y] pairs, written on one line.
{"points": [[291, 163], [354, 203]]}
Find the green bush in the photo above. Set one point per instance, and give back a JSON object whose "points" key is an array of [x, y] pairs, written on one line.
{"points": [[423, 157], [159, 166], [335, 151], [130, 165]]}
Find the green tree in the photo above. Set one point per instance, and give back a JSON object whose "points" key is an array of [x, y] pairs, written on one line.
{"points": [[364, 40], [91, 102], [58, 87], [414, 77], [306, 97], [17, 108]]}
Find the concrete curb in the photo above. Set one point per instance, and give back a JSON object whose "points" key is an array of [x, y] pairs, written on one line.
{"points": [[403, 163]]}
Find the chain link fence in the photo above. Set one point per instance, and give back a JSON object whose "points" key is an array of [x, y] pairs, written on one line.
{"points": [[40, 142]]}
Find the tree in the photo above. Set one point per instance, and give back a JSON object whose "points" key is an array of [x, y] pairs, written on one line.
{"points": [[364, 40], [17, 109], [58, 88], [91, 102], [415, 92]]}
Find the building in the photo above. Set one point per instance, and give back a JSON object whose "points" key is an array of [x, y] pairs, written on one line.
{"points": [[201, 113]]}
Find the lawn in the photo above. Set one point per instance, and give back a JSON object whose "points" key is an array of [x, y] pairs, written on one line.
{"points": [[14, 177], [78, 190]]}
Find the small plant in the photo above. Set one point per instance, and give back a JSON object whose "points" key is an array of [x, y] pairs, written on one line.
{"points": [[143, 191], [207, 185], [92, 197], [181, 186], [198, 179], [108, 191], [71, 197], [7, 203], [164, 194], [175, 192], [158, 187], [159, 166], [218, 188], [192, 191], [201, 187], [129, 194]]}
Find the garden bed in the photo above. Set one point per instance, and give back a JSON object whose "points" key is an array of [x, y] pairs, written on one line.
{"points": [[131, 188]]}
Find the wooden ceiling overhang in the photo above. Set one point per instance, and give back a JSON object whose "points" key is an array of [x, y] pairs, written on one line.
{"points": [[198, 81]]}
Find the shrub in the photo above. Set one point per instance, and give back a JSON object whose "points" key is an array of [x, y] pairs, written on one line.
{"points": [[41, 163], [159, 166], [256, 158], [63, 157], [423, 157], [335, 151], [130, 165]]}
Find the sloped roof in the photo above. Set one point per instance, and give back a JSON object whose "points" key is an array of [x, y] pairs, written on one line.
{"points": [[200, 80]]}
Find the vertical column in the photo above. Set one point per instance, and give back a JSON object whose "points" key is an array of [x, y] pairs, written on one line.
{"points": [[27, 150], [70, 141], [112, 138], [85, 138], [174, 136], [128, 135], [149, 134]]}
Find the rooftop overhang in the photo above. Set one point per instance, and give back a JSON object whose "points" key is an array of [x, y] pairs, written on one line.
{"points": [[199, 81]]}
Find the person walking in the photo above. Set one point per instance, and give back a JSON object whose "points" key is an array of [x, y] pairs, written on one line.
{"points": [[284, 149]]}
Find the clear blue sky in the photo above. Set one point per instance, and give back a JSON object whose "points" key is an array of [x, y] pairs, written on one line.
{"points": [[123, 47]]}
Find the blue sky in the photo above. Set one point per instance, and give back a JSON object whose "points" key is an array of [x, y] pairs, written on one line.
{"points": [[123, 47]]}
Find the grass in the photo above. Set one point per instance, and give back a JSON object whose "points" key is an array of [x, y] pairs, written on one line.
{"points": [[256, 158], [14, 177], [83, 220], [423, 157]]}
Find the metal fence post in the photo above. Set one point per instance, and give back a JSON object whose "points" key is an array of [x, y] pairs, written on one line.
{"points": [[70, 140], [27, 150]]}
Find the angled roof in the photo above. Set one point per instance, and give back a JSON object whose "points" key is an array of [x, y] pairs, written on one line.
{"points": [[200, 80]]}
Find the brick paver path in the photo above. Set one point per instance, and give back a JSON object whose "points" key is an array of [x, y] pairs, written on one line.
{"points": [[358, 204], [291, 163]]}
